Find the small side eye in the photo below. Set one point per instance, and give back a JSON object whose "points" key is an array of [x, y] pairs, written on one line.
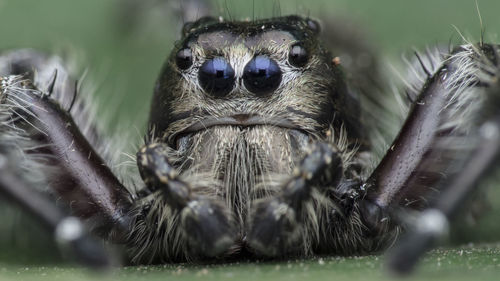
{"points": [[298, 55], [184, 58], [314, 26]]}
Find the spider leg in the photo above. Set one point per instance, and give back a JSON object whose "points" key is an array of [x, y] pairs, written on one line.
{"points": [[432, 224], [426, 145], [90, 186], [69, 232], [274, 221], [205, 222], [46, 135], [436, 143], [391, 175]]}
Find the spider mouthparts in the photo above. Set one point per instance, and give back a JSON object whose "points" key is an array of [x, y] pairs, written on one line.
{"points": [[241, 120]]}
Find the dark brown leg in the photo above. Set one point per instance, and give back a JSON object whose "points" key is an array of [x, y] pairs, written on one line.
{"points": [[78, 176], [69, 232], [439, 154], [433, 223]]}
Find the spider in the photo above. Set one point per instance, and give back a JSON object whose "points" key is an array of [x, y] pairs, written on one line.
{"points": [[262, 142]]}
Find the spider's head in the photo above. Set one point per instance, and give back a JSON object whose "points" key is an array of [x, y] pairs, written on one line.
{"points": [[270, 72]]}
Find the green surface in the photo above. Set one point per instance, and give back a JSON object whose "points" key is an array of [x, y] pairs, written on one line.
{"points": [[466, 263], [122, 71]]}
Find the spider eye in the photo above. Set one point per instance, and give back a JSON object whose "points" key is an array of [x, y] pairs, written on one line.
{"points": [[298, 55], [262, 75], [184, 58], [314, 25], [216, 77]]}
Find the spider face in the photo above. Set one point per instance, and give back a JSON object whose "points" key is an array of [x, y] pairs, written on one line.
{"points": [[242, 74], [240, 104]]}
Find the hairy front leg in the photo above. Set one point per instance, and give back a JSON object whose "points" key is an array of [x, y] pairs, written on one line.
{"points": [[205, 222], [45, 152], [469, 85]]}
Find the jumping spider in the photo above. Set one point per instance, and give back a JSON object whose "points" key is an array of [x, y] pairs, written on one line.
{"points": [[259, 145]]}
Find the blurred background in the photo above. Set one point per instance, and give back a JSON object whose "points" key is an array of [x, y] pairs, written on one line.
{"points": [[123, 44]]}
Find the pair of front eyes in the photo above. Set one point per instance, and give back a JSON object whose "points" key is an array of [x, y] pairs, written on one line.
{"points": [[261, 75]]}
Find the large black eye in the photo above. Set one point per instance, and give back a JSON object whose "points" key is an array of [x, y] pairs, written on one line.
{"points": [[262, 75], [298, 55], [184, 58], [216, 76]]}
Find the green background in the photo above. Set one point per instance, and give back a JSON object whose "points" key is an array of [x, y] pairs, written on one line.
{"points": [[123, 62]]}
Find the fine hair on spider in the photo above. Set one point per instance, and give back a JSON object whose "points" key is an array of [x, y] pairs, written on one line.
{"points": [[258, 145]]}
